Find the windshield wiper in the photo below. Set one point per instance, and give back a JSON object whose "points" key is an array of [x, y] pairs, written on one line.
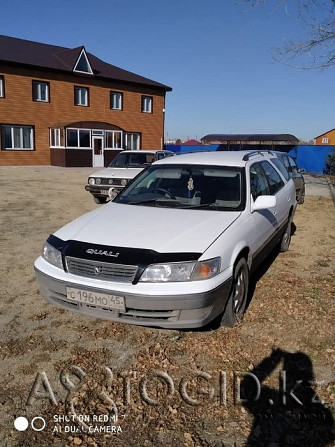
{"points": [[213, 206], [157, 200]]}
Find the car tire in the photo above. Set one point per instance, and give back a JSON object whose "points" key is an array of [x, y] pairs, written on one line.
{"points": [[301, 197], [100, 200], [237, 300], [286, 237]]}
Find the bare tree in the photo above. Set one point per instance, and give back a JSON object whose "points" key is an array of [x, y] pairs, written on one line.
{"points": [[316, 49]]}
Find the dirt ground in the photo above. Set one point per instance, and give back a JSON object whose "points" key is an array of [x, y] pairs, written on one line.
{"points": [[169, 387]]}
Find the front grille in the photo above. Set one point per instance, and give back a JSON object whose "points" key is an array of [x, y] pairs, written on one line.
{"points": [[115, 181], [101, 270]]}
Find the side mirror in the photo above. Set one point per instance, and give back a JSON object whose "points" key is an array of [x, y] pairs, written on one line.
{"points": [[302, 171], [264, 203]]}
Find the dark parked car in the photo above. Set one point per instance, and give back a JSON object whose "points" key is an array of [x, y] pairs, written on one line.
{"points": [[295, 173]]}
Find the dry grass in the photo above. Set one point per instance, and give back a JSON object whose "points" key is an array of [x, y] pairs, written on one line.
{"points": [[292, 309]]}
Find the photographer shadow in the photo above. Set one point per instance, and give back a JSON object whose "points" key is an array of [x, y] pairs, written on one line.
{"points": [[293, 414]]}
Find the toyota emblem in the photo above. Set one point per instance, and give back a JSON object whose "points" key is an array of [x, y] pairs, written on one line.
{"points": [[97, 270]]}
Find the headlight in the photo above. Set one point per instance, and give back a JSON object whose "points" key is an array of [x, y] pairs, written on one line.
{"points": [[98, 181], [91, 181], [124, 182], [52, 255], [181, 271]]}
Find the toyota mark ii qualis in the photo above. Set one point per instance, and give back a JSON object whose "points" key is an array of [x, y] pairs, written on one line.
{"points": [[176, 247]]}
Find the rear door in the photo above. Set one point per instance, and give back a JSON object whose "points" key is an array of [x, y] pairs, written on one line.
{"points": [[279, 189], [295, 174], [264, 223]]}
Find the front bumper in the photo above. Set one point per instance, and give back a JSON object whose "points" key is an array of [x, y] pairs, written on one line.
{"points": [[166, 311], [102, 190]]}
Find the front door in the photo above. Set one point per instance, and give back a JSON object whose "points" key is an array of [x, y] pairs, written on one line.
{"points": [[98, 152]]}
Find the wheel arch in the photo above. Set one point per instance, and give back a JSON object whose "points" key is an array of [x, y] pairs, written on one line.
{"points": [[241, 251]]}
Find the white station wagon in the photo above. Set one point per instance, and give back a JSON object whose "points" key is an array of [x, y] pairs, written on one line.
{"points": [[176, 247]]}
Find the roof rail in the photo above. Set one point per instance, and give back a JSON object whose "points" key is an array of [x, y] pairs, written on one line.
{"points": [[193, 152], [259, 152]]}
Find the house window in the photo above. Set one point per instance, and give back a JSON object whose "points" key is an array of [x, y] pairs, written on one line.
{"points": [[17, 138], [116, 101], [83, 65], [132, 141], [40, 91], [56, 138], [113, 139], [78, 138], [2, 86], [146, 104], [325, 140], [81, 96]]}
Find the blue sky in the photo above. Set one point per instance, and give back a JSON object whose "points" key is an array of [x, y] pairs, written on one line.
{"points": [[215, 54]]}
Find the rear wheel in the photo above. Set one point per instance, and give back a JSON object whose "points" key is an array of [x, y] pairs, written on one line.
{"points": [[301, 197], [238, 295], [99, 200], [286, 238]]}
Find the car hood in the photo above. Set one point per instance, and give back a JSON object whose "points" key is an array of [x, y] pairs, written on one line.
{"points": [[117, 172], [165, 230]]}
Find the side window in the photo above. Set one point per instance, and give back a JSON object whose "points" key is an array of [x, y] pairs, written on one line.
{"points": [[274, 180], [258, 183], [279, 165], [286, 162], [294, 167]]}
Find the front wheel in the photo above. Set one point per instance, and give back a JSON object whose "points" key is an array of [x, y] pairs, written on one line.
{"points": [[238, 295]]}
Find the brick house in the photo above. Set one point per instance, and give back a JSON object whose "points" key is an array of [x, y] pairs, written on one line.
{"points": [[327, 138], [66, 107]]}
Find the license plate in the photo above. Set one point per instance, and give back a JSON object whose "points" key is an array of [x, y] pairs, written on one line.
{"points": [[104, 192], [96, 298]]}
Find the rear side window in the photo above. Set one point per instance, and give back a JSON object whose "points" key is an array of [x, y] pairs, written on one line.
{"points": [[274, 180], [294, 167], [284, 159], [279, 165]]}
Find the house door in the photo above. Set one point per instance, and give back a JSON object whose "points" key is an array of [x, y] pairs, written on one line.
{"points": [[98, 152]]}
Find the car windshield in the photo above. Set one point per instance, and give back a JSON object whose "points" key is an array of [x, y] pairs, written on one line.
{"points": [[188, 187], [135, 159]]}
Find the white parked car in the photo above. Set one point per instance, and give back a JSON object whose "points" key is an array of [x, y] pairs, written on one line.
{"points": [[123, 168], [176, 247]]}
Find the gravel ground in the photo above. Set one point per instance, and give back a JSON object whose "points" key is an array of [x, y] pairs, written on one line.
{"points": [[317, 186], [169, 387]]}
